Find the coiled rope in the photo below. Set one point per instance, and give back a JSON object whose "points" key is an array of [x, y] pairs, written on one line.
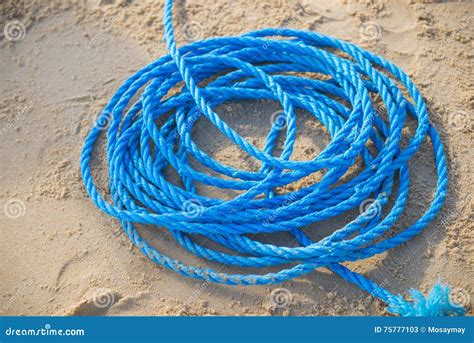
{"points": [[256, 66]]}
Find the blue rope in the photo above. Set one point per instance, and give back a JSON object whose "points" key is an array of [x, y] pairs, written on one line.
{"points": [[255, 66]]}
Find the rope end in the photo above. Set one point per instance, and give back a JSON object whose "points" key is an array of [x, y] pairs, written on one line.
{"points": [[439, 302]]}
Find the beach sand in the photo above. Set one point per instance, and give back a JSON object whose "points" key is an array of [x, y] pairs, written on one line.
{"points": [[62, 63]]}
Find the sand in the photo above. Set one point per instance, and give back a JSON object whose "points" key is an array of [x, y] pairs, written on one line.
{"points": [[61, 62]]}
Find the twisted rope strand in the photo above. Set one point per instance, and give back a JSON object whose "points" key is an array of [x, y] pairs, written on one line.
{"points": [[255, 66]]}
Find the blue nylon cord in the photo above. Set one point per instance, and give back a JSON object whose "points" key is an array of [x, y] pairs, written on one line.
{"points": [[253, 66]]}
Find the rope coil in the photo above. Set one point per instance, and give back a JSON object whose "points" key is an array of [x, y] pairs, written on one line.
{"points": [[256, 66]]}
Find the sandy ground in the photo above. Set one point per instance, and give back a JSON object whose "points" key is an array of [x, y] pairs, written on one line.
{"points": [[60, 62]]}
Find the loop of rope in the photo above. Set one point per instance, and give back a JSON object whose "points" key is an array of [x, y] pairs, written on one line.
{"points": [[147, 136]]}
